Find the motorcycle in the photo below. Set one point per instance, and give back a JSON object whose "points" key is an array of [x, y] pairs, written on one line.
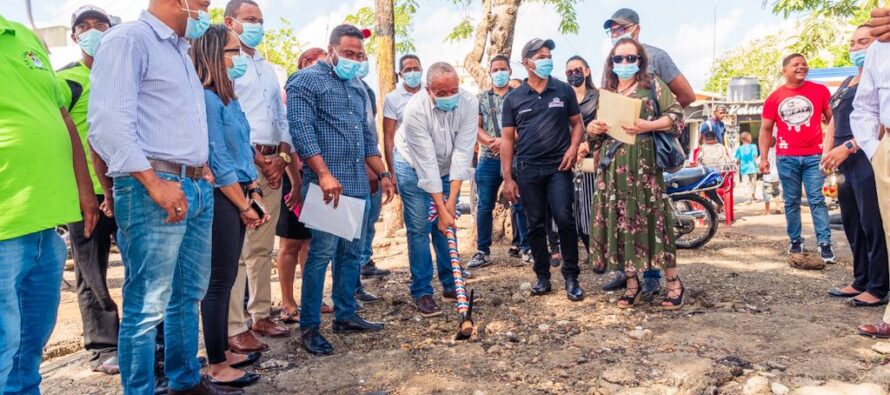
{"points": [[694, 217]]}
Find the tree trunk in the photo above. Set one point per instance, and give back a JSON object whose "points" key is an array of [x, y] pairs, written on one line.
{"points": [[386, 78], [504, 15], [473, 61]]}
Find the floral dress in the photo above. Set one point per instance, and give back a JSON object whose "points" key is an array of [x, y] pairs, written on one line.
{"points": [[630, 221]]}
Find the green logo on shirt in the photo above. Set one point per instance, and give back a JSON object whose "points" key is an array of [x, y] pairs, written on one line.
{"points": [[33, 61]]}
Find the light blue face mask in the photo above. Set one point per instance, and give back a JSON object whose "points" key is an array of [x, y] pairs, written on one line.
{"points": [[252, 35], [858, 57], [363, 70], [412, 79], [543, 67], [239, 67], [447, 103], [195, 28], [500, 79], [89, 40], [615, 40], [625, 71], [345, 68]]}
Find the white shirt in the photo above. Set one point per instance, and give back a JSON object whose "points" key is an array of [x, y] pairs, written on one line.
{"points": [[259, 93], [437, 143], [395, 101], [871, 107], [773, 175]]}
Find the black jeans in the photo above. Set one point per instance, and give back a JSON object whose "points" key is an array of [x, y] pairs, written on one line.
{"points": [[858, 198], [97, 309], [227, 239], [544, 188]]}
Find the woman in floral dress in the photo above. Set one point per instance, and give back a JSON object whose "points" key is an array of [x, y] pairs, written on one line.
{"points": [[631, 226]]}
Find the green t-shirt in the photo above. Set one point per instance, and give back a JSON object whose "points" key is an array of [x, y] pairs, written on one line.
{"points": [[37, 186], [74, 84]]}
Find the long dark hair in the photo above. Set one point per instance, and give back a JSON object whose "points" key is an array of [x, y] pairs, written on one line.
{"points": [[588, 81], [610, 79], [309, 55], [209, 57]]}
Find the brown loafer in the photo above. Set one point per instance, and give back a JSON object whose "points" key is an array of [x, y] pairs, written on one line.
{"points": [[427, 306], [267, 327], [880, 330], [245, 343]]}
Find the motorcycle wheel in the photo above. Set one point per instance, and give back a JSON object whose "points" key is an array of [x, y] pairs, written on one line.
{"points": [[695, 221]]}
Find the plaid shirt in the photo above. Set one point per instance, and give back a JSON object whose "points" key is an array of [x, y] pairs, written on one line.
{"points": [[327, 117], [490, 126]]}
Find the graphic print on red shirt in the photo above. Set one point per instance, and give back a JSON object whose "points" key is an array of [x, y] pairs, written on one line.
{"points": [[798, 117]]}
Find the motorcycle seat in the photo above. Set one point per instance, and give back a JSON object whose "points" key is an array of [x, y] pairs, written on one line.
{"points": [[685, 177]]}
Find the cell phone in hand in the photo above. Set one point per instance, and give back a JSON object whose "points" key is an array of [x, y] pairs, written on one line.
{"points": [[296, 207], [258, 207]]}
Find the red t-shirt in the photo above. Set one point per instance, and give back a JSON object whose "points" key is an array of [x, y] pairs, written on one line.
{"points": [[798, 117]]}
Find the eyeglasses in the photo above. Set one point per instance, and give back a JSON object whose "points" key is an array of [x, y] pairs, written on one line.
{"points": [[575, 71], [621, 58], [619, 30]]}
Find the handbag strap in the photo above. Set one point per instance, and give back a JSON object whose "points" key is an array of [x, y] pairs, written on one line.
{"points": [[493, 113], [653, 86]]}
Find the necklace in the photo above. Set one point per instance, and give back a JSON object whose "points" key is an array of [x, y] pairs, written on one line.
{"points": [[628, 89]]}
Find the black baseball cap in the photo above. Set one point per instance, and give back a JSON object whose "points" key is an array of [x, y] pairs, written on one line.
{"points": [[534, 45], [624, 16], [89, 11]]}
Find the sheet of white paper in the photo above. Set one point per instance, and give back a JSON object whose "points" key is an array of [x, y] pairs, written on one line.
{"points": [[616, 111], [345, 221]]}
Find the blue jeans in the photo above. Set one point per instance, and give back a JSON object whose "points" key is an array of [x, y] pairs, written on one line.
{"points": [[795, 171], [30, 278], [376, 203], [345, 256], [520, 226], [167, 269], [488, 182], [416, 205]]}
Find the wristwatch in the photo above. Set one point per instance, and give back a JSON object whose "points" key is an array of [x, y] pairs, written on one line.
{"points": [[285, 157], [850, 146], [383, 175], [257, 191]]}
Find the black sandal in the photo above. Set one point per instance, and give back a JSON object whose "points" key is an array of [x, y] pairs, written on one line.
{"points": [[631, 301], [676, 303]]}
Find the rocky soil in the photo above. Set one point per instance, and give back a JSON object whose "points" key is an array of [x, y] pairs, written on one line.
{"points": [[752, 325]]}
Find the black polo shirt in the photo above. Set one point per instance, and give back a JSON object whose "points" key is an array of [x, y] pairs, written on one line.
{"points": [[541, 120]]}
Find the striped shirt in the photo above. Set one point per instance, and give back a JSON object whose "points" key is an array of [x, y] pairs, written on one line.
{"points": [[871, 107], [146, 100], [327, 117]]}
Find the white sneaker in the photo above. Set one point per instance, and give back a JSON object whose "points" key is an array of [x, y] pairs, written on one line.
{"points": [[480, 259], [527, 257]]}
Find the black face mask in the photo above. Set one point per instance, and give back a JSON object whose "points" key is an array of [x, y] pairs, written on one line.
{"points": [[576, 80]]}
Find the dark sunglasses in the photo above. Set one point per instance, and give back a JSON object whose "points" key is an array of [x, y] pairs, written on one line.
{"points": [[576, 70], [622, 58]]}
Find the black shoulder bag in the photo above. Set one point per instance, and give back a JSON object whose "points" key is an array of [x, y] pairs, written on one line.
{"points": [[669, 155]]}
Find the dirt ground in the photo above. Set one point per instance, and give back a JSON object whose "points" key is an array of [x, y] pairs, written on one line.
{"points": [[752, 325]]}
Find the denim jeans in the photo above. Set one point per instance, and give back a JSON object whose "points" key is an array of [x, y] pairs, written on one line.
{"points": [[488, 182], [345, 257], [416, 205], [376, 204], [795, 171], [542, 188], [167, 269], [520, 226], [30, 278]]}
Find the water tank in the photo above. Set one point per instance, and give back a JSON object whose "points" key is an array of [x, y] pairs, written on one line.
{"points": [[743, 89]]}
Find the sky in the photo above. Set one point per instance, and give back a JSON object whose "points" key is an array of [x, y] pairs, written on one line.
{"points": [[684, 28]]}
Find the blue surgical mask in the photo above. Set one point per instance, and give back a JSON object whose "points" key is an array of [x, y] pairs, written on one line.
{"points": [[195, 28], [252, 35], [858, 57], [625, 71], [345, 68], [500, 79], [412, 79], [363, 70], [89, 40], [447, 103], [239, 67], [543, 67], [615, 40]]}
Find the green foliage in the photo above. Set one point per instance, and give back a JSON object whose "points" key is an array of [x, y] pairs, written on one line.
{"points": [[281, 47], [403, 11], [216, 15], [758, 58], [568, 18], [568, 23], [462, 31]]}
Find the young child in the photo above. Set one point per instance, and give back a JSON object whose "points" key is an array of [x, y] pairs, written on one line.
{"points": [[771, 189], [746, 156], [712, 154]]}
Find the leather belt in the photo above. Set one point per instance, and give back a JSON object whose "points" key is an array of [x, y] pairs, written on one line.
{"points": [[193, 172], [266, 149]]}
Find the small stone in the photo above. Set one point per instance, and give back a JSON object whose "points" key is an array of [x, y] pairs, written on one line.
{"points": [[757, 385], [518, 297], [779, 389], [496, 301], [274, 364], [881, 348], [562, 323], [640, 334], [618, 375], [525, 286], [493, 349], [776, 365], [544, 327]]}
